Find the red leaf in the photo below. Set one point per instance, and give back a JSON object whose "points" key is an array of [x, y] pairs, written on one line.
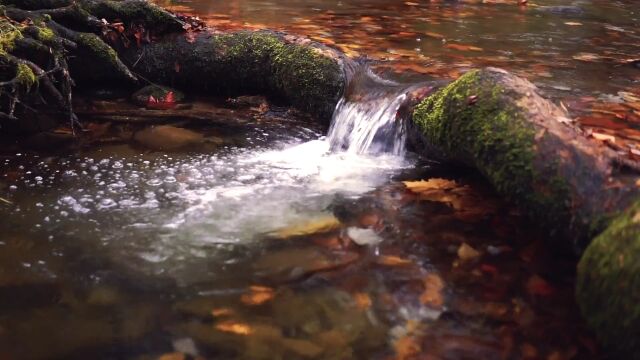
{"points": [[169, 98], [539, 286]]}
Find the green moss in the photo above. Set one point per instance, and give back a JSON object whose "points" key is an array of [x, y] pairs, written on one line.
{"points": [[154, 17], [608, 286], [95, 45], [475, 120], [25, 76], [313, 82], [45, 34], [9, 33]]}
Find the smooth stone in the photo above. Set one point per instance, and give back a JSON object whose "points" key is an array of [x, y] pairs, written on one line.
{"points": [[167, 137]]}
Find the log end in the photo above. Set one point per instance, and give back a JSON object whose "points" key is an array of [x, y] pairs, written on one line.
{"points": [[608, 285]]}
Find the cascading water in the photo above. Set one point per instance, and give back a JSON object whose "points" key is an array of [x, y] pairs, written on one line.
{"points": [[365, 120], [171, 214]]}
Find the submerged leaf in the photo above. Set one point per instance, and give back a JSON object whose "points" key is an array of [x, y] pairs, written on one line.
{"points": [[234, 327], [318, 225], [258, 295], [433, 287]]}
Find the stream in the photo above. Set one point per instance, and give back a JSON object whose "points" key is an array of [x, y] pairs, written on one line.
{"points": [[275, 238]]}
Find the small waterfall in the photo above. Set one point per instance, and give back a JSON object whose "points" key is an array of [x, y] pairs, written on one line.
{"points": [[365, 120]]}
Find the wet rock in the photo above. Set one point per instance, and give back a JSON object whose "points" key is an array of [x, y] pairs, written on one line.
{"points": [[185, 346], [141, 97], [247, 101], [364, 236], [167, 137], [292, 264]]}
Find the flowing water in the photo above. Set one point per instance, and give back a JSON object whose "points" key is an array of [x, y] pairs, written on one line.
{"points": [[280, 240]]}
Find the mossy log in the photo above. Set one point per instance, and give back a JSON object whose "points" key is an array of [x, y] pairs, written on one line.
{"points": [[572, 186], [294, 70]]}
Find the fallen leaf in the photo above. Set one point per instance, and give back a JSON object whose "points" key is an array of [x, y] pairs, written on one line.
{"points": [[234, 327], [538, 286], [362, 300], [573, 23], [221, 312], [434, 35], [603, 137], [258, 295], [466, 252], [431, 184], [318, 225], [433, 286], [172, 356], [461, 47], [391, 260], [406, 347], [588, 57]]}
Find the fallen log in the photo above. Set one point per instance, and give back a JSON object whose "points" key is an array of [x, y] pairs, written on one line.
{"points": [[570, 185]]}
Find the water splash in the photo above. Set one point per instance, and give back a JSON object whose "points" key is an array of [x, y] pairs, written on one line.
{"points": [[366, 119]]}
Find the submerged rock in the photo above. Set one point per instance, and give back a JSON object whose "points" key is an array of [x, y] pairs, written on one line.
{"points": [[167, 137], [364, 236]]}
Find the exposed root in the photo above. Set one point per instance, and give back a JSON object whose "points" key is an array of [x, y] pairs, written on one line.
{"points": [[43, 43]]}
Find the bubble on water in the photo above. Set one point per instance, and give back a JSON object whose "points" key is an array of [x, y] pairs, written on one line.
{"points": [[117, 165], [106, 204], [169, 179], [154, 182], [13, 187]]}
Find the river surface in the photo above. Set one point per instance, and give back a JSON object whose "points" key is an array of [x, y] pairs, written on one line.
{"points": [[279, 239]]}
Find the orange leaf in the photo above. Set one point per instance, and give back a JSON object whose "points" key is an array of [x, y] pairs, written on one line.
{"points": [[258, 295], [406, 347], [433, 286], [390, 260], [363, 301], [234, 327], [461, 47], [221, 312]]}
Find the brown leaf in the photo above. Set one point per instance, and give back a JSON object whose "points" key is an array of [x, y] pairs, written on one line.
{"points": [[466, 252], [258, 295], [235, 327], [538, 286], [362, 300], [391, 260], [433, 286], [462, 47]]}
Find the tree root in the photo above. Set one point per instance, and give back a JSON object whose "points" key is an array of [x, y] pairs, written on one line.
{"points": [[44, 42]]}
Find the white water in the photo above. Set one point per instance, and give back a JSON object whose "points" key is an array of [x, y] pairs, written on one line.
{"points": [[365, 121], [171, 214]]}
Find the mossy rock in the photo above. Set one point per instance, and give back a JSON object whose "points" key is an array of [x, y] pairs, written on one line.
{"points": [[141, 97], [608, 286]]}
